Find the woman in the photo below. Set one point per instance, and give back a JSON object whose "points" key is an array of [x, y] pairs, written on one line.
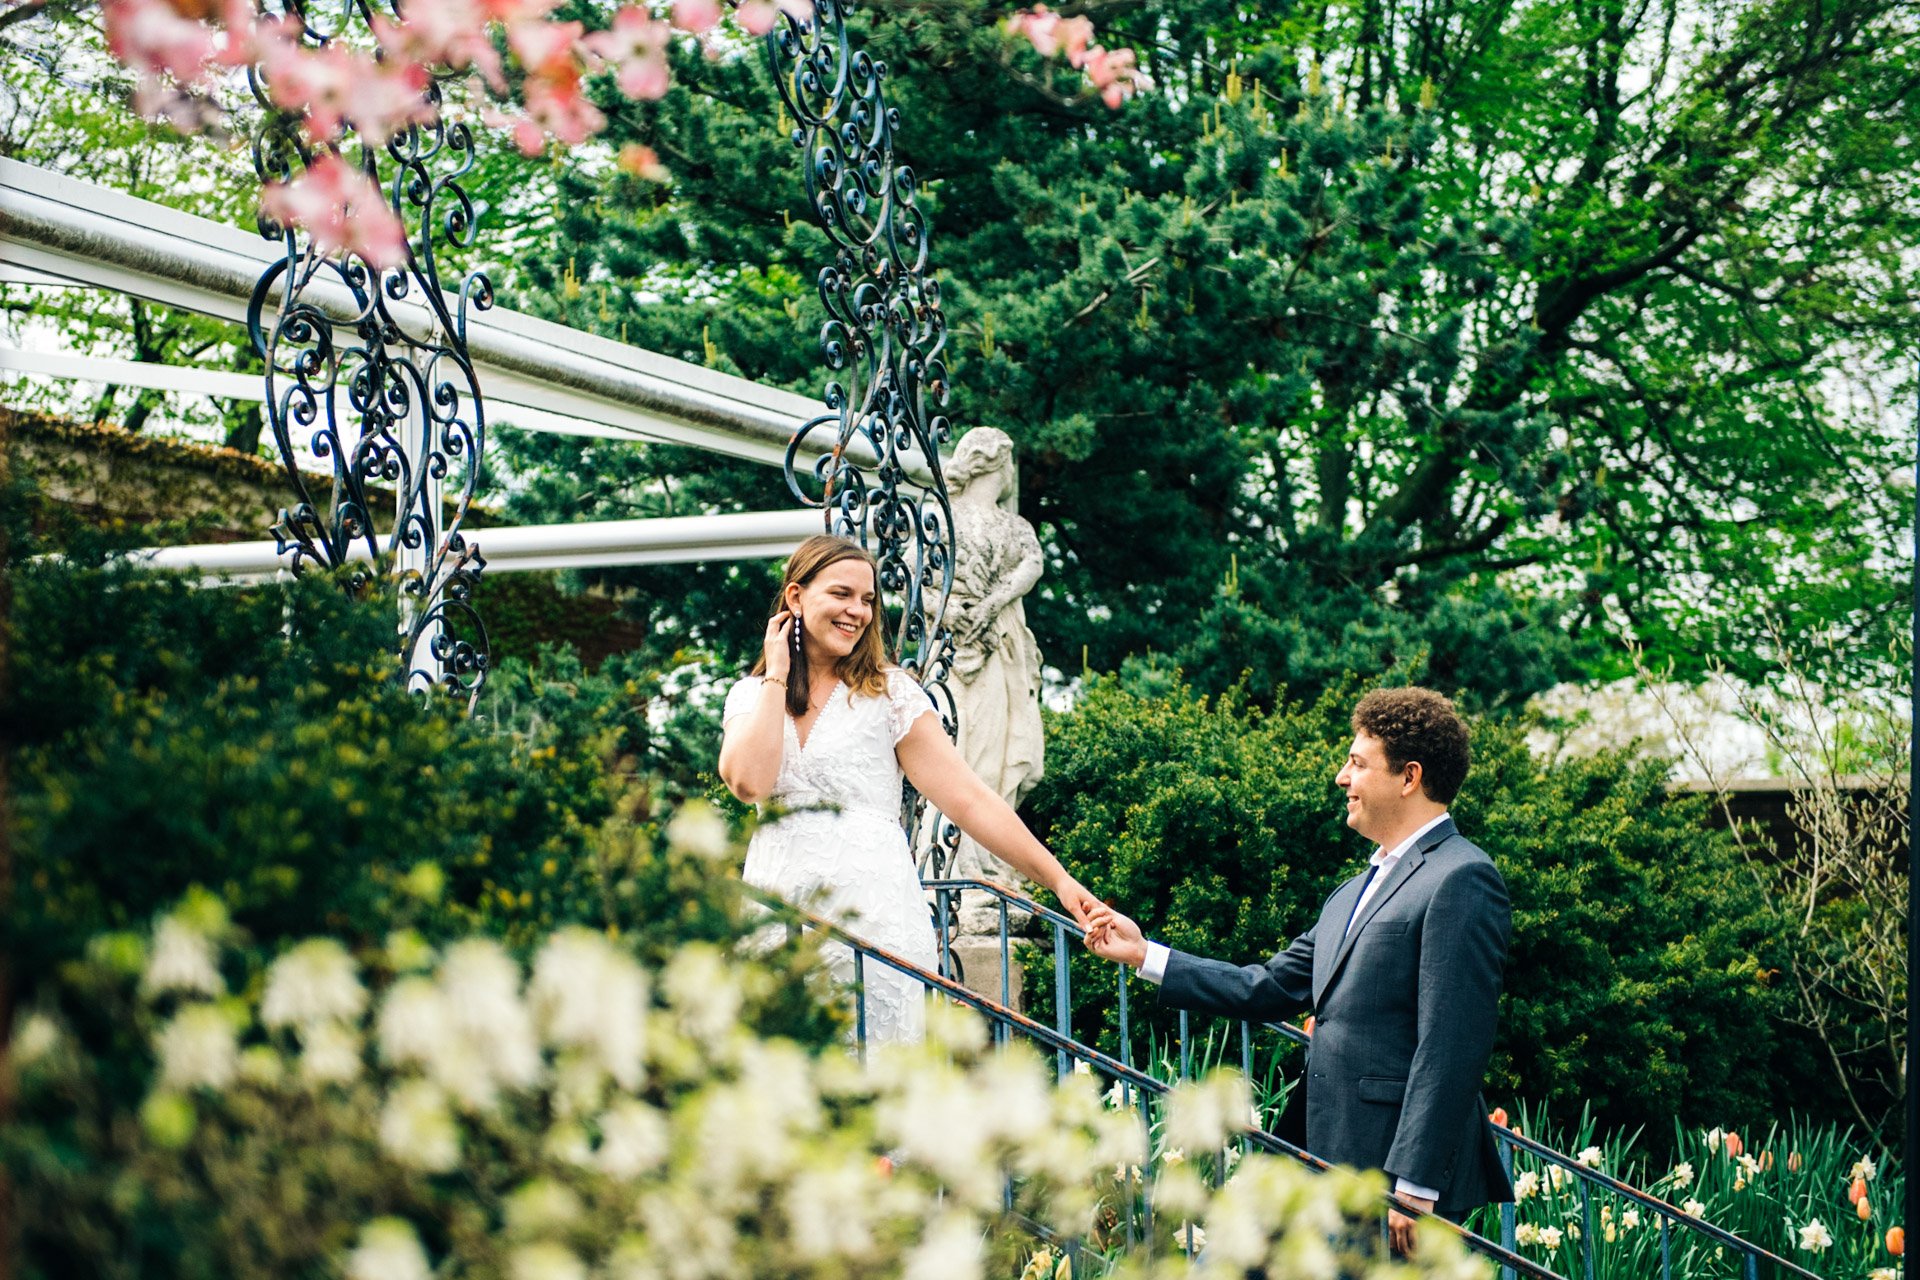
{"points": [[825, 726]]}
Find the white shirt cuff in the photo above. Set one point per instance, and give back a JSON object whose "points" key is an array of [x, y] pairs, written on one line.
{"points": [[1401, 1187], [1154, 967]]}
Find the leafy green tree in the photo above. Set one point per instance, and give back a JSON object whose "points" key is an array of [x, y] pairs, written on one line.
{"points": [[1493, 334]]}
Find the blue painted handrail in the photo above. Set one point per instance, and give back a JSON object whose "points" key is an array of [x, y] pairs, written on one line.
{"points": [[1668, 1215], [1067, 1051]]}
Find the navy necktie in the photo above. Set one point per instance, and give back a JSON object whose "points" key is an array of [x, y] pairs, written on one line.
{"points": [[1373, 869]]}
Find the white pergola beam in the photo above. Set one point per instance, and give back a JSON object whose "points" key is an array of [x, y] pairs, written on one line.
{"points": [[133, 373], [226, 385], [752, 535], [56, 228]]}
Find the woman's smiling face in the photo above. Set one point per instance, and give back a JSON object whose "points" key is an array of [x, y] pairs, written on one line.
{"points": [[836, 607]]}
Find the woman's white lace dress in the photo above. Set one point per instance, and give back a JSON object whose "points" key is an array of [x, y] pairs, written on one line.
{"points": [[844, 854]]}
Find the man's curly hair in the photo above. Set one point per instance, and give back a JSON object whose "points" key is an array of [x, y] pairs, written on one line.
{"points": [[1418, 724]]}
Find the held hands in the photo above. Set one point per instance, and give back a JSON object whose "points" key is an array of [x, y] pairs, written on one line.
{"points": [[1076, 901], [1112, 936], [778, 645]]}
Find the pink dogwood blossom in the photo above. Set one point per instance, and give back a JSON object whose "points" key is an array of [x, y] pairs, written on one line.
{"points": [[1115, 73], [636, 47], [334, 86], [341, 208], [1052, 34], [449, 33], [179, 38], [642, 162], [177, 48], [756, 17], [1112, 72], [697, 16]]}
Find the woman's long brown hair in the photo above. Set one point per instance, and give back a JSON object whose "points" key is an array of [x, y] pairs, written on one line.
{"points": [[865, 669]]}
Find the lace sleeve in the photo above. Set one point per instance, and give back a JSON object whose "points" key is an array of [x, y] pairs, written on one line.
{"points": [[741, 698], [907, 702]]}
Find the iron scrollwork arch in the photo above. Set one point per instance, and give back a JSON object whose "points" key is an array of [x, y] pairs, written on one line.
{"points": [[882, 343], [370, 368]]}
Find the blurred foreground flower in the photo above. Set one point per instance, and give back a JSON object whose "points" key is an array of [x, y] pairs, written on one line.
{"points": [[584, 1115], [389, 1249]]}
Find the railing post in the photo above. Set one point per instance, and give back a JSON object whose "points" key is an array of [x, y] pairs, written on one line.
{"points": [[1586, 1228], [1507, 1214], [1006, 960], [1186, 1045], [946, 941], [1666, 1247], [860, 1002], [1062, 998]]}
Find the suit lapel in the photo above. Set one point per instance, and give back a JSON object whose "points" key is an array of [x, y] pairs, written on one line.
{"points": [[1334, 916], [1410, 862]]}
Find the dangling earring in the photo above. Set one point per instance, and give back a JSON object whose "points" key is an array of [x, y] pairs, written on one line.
{"points": [[796, 633]]}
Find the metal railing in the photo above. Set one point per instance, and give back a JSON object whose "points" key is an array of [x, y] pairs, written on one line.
{"points": [[1134, 1083], [1588, 1181]]}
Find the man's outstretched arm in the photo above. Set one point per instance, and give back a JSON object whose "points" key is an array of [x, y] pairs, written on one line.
{"points": [[1280, 988]]}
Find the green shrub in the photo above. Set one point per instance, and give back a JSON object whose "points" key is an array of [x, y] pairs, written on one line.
{"points": [[1640, 969], [255, 742]]}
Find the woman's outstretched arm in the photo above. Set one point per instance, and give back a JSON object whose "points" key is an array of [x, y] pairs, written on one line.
{"points": [[938, 772]]}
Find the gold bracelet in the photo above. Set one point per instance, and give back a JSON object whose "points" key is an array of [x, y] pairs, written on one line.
{"points": [[779, 680]]}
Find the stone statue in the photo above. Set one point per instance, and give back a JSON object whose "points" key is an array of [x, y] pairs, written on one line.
{"points": [[996, 671]]}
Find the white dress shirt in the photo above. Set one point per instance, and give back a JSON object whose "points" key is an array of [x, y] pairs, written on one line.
{"points": [[1383, 861]]}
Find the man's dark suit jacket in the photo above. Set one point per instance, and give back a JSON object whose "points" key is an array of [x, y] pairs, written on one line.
{"points": [[1404, 1012]]}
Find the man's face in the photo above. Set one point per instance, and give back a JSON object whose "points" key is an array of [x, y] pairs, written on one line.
{"points": [[1374, 792]]}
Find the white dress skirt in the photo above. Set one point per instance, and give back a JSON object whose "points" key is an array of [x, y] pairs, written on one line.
{"points": [[840, 850]]}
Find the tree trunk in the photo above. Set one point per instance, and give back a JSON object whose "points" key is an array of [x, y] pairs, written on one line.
{"points": [[243, 429]]}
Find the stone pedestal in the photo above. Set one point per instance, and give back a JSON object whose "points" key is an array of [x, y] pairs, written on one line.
{"points": [[979, 959]]}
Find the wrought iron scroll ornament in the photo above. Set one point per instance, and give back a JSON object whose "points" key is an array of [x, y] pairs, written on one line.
{"points": [[882, 342], [369, 369]]}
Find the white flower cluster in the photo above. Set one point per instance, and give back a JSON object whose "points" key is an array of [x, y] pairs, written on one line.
{"points": [[644, 1131], [314, 990], [1611, 1228], [1202, 1113], [1815, 1238], [1533, 1234], [198, 1047]]}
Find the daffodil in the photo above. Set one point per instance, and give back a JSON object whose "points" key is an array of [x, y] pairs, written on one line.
{"points": [[1815, 1237]]}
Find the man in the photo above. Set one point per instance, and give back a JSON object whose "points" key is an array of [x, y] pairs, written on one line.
{"points": [[1402, 971]]}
